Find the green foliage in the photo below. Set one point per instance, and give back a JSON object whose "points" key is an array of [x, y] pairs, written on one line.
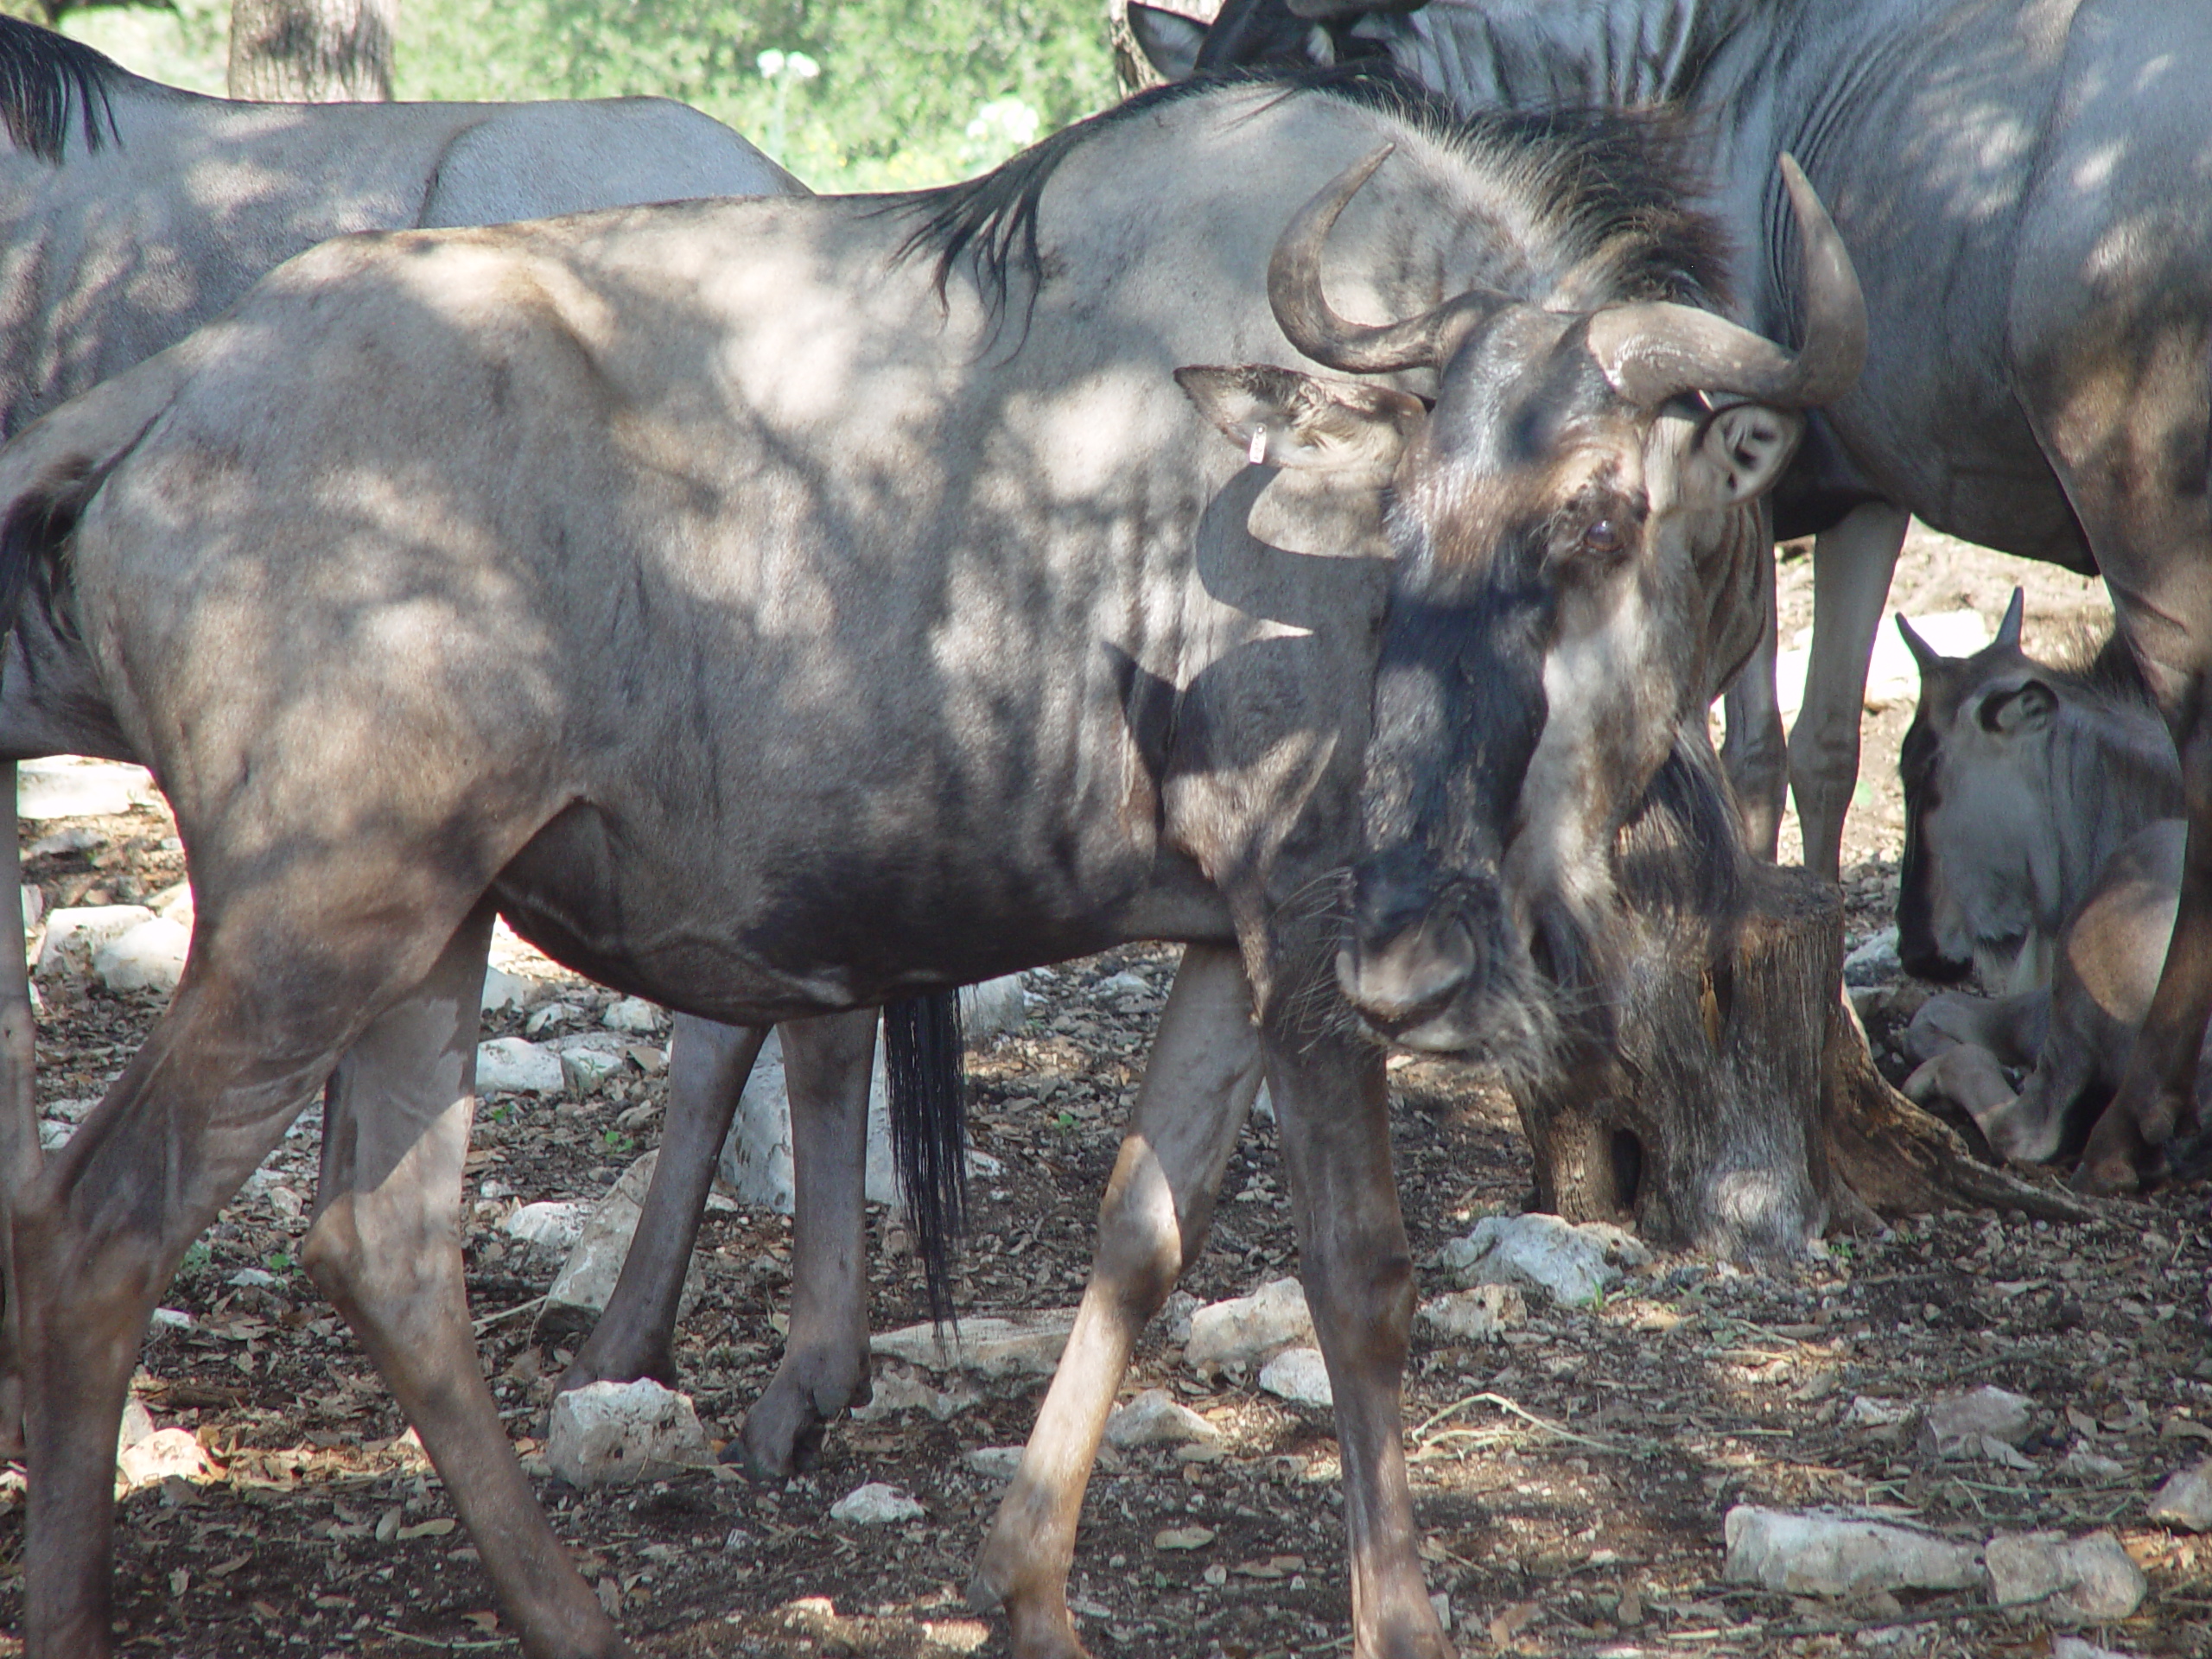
{"points": [[186, 44], [907, 93]]}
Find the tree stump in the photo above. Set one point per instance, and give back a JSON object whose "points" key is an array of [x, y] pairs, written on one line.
{"points": [[1748, 1118]]}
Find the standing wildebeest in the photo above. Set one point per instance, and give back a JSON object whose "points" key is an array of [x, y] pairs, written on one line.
{"points": [[2017, 181], [132, 213], [769, 625]]}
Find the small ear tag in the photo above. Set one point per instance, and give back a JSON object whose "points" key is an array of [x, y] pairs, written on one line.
{"points": [[1258, 452]]}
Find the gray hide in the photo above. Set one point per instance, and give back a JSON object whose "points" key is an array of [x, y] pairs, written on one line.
{"points": [[134, 213], [769, 628], [2013, 178], [2021, 780]]}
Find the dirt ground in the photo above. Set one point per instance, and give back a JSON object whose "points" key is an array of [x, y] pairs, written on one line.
{"points": [[1571, 1478]]}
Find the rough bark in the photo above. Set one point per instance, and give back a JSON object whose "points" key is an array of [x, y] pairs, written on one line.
{"points": [[1727, 1129], [312, 51]]}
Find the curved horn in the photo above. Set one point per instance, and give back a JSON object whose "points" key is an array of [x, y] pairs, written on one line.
{"points": [[1926, 656], [1655, 351], [2008, 631], [1303, 314]]}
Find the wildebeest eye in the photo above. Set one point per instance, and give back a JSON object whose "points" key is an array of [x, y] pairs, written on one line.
{"points": [[1603, 537]]}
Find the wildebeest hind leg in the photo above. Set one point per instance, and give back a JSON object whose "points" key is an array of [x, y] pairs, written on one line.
{"points": [[1199, 1084], [385, 1248], [96, 1234], [1358, 1273], [707, 1065], [827, 1063]]}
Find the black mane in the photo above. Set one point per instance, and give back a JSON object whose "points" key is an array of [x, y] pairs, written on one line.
{"points": [[1613, 183], [44, 77]]}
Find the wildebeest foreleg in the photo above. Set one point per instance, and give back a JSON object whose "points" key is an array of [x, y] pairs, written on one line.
{"points": [[1358, 1274], [20, 1157], [1754, 753], [2157, 1098], [1199, 1084], [385, 1248], [1851, 567], [707, 1065], [827, 1064]]}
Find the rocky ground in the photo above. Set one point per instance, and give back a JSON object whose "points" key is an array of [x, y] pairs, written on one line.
{"points": [[1573, 1468]]}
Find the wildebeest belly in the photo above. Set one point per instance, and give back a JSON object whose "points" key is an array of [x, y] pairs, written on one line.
{"points": [[772, 928]]}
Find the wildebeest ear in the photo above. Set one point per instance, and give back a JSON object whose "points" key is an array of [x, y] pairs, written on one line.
{"points": [[1169, 40], [1283, 419], [2027, 707], [1742, 449]]}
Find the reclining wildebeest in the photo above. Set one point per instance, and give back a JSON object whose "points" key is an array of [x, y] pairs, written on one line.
{"points": [[771, 619], [2013, 178], [2041, 847], [133, 213]]}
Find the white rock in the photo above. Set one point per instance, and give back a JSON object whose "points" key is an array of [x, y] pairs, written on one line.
{"points": [[77, 838], [1175, 1318], [552, 1013], [618, 1433], [1866, 1412], [2084, 1464], [550, 1225], [137, 1425], [588, 1061], [891, 1392], [586, 1278], [2185, 1500], [163, 1455], [1250, 1330], [53, 1137], [1298, 1376], [175, 904], [1156, 1418], [632, 1013], [1833, 1552], [2072, 1647], [995, 1007], [505, 990], [65, 786], [1263, 1105], [1440, 1605], [1573, 1265], [34, 906], [1481, 1314], [1876, 962], [72, 935], [1955, 1424], [513, 1065], [255, 1279], [1022, 1345], [1123, 984], [149, 957], [2090, 1577], [873, 1505], [995, 1462]]}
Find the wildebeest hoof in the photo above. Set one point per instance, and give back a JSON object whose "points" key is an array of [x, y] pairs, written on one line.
{"points": [[1039, 1626]]}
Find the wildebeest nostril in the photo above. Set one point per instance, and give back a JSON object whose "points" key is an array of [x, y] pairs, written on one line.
{"points": [[1410, 976]]}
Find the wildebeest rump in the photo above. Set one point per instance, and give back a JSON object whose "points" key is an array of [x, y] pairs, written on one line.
{"points": [[2016, 181], [132, 213], [770, 626]]}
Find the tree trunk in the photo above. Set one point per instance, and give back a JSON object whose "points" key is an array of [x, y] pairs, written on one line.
{"points": [[1735, 1134], [312, 51]]}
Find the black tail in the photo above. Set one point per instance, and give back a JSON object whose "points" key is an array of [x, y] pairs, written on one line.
{"points": [[929, 1131]]}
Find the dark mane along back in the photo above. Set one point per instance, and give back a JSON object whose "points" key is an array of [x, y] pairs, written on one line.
{"points": [[43, 78], [1613, 184]]}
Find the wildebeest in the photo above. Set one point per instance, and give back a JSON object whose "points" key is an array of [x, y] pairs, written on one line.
{"points": [[2040, 849], [2014, 180], [2021, 780], [133, 213], [774, 619]]}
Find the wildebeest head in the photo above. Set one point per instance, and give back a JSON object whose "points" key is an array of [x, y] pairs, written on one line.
{"points": [[2020, 778], [1573, 522]]}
